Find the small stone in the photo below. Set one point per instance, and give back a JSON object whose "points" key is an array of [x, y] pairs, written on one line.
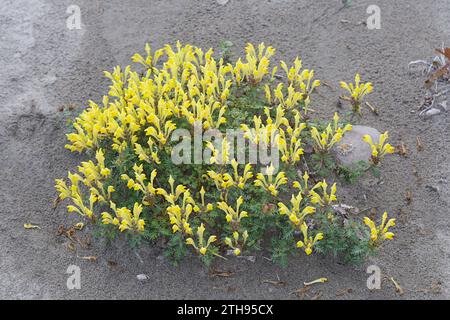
{"points": [[443, 106], [49, 79], [432, 188], [142, 277], [431, 112], [352, 149]]}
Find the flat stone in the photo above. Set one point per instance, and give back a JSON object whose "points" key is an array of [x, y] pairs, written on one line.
{"points": [[352, 149]]}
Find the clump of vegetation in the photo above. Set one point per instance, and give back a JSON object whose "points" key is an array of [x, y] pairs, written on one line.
{"points": [[356, 93], [220, 205]]}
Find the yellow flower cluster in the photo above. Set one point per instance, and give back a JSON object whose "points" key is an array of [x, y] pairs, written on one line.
{"points": [[92, 175], [289, 141], [271, 183], [257, 65], [357, 92], [234, 218], [232, 215], [201, 246], [325, 198], [325, 140], [190, 85], [303, 204], [380, 233], [308, 241], [296, 213], [124, 218], [180, 87], [235, 243], [225, 181], [301, 86], [380, 149]]}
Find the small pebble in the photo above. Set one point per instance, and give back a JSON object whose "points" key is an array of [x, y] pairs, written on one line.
{"points": [[431, 112], [433, 188], [142, 277]]}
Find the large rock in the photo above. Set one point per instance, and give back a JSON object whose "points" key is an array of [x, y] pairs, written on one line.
{"points": [[352, 149]]}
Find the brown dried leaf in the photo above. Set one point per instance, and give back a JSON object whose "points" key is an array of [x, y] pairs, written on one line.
{"points": [[89, 258], [275, 282], [408, 196], [419, 144], [398, 289], [446, 52], [439, 73], [70, 232], [302, 292], [401, 149], [56, 203], [222, 274], [343, 292], [71, 246], [317, 296], [372, 108], [61, 231]]}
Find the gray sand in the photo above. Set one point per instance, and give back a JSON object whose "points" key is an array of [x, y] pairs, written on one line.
{"points": [[44, 66]]}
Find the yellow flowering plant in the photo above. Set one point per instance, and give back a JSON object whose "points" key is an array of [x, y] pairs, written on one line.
{"points": [[272, 182], [233, 216], [380, 149], [326, 139], [323, 141], [320, 195], [378, 234], [130, 186], [202, 246], [124, 218], [308, 241], [355, 92], [237, 242], [297, 213]]}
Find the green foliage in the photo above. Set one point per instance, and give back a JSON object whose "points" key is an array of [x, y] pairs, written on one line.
{"points": [[346, 240], [131, 187]]}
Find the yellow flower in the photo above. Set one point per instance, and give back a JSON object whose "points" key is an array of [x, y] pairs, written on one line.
{"points": [[325, 140], [256, 65], [308, 242], [380, 233], [200, 245], [289, 142], [357, 92], [325, 198], [179, 215], [125, 218], [237, 242], [271, 184], [297, 213], [380, 149], [232, 214]]}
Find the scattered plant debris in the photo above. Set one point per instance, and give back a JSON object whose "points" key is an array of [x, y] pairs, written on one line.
{"points": [[88, 258], [343, 292], [419, 144], [31, 226], [320, 280], [437, 83], [222, 274], [398, 289]]}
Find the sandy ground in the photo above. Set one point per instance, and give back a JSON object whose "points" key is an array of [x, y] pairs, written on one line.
{"points": [[44, 66]]}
